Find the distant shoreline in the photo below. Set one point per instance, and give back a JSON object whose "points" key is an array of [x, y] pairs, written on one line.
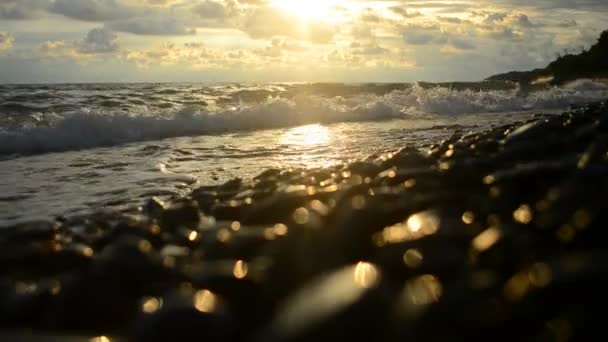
{"points": [[590, 64]]}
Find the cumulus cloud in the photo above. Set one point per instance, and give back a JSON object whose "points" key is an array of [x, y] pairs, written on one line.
{"points": [[63, 49], [97, 42], [6, 42]]}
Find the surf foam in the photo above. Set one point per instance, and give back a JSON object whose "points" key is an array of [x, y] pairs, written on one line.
{"points": [[90, 129]]}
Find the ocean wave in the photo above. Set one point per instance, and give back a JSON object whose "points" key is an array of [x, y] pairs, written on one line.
{"points": [[82, 130]]}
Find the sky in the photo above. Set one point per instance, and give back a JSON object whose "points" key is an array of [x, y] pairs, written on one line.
{"points": [[282, 40]]}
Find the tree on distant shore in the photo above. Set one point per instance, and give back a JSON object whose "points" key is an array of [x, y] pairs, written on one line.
{"points": [[592, 63]]}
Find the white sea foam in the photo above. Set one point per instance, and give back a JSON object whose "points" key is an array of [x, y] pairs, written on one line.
{"points": [[102, 128]]}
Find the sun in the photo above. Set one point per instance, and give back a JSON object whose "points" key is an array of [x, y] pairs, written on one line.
{"points": [[308, 9]]}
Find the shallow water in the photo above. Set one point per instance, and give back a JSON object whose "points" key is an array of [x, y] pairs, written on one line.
{"points": [[120, 177], [73, 149]]}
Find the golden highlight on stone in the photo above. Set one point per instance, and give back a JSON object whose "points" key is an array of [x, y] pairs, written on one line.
{"points": [[415, 227], [236, 226], [489, 180], [280, 229], [205, 301], [193, 235], [240, 269], [88, 252], [412, 258], [151, 305], [301, 216], [468, 217], [423, 290], [366, 275], [319, 207], [486, 239], [410, 183], [426, 222], [523, 214]]}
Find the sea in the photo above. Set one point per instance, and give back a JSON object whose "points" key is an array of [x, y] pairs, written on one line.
{"points": [[74, 149]]}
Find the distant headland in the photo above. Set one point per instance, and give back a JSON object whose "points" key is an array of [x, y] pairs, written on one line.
{"points": [[592, 63]]}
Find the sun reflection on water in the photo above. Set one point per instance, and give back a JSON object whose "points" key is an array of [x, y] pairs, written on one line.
{"points": [[309, 135], [308, 146]]}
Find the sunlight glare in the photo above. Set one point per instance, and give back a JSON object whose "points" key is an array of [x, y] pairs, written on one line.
{"points": [[309, 9], [309, 135]]}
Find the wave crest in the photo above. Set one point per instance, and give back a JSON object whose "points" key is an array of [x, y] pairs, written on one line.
{"points": [[102, 128]]}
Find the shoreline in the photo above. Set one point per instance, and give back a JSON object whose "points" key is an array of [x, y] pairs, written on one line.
{"points": [[499, 232]]}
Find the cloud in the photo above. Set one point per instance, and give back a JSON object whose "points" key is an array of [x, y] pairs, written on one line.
{"points": [[405, 12], [437, 36], [63, 49], [419, 35], [367, 49], [6, 42], [556, 4], [567, 23], [496, 17], [461, 44], [22, 9], [196, 56], [210, 10], [91, 10], [524, 21], [155, 26], [97, 42]]}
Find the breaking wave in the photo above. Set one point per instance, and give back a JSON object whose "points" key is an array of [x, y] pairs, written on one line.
{"points": [[102, 127]]}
